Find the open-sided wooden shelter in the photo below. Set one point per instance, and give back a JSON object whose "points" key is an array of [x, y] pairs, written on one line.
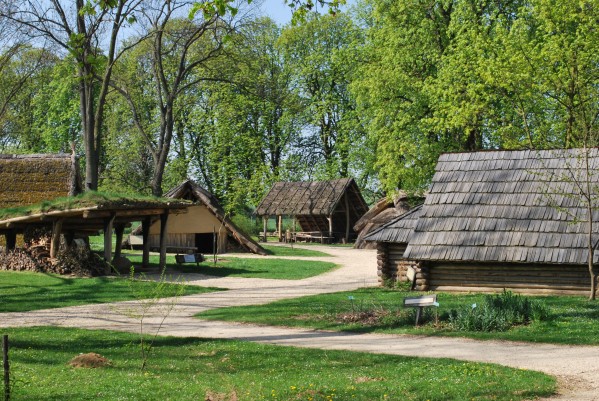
{"points": [[497, 220], [330, 208], [204, 226]]}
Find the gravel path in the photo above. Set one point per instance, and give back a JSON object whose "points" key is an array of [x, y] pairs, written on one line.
{"points": [[577, 367]]}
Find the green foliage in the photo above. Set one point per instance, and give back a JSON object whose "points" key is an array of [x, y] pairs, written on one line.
{"points": [[246, 224], [193, 368], [498, 313]]}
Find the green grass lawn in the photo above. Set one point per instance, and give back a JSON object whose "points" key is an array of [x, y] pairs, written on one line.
{"points": [[197, 369], [25, 291], [572, 320], [270, 268], [289, 250]]}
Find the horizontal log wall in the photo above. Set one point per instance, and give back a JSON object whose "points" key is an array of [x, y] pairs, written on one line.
{"points": [[392, 267], [523, 278]]}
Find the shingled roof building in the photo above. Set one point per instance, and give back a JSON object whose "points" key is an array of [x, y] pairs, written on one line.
{"points": [[495, 220], [329, 207]]}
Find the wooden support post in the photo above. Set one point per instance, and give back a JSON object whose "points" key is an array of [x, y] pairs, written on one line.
{"points": [[280, 227], [6, 367], [346, 219], [108, 223], [330, 219], [11, 240], [118, 230], [55, 241], [265, 224], [163, 238], [145, 235]]}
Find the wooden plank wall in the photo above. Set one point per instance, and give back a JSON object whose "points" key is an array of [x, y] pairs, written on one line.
{"points": [[523, 278]]}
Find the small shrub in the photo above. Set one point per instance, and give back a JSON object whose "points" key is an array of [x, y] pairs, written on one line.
{"points": [[498, 313], [246, 224]]}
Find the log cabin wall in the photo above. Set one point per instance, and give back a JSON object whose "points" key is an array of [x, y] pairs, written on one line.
{"points": [[522, 278], [393, 267]]}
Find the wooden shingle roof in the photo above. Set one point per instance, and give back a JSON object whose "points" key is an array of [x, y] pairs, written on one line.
{"points": [[311, 198], [505, 206], [397, 230]]}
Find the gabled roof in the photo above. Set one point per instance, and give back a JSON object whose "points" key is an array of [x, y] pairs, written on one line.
{"points": [[505, 206], [189, 190], [319, 198], [29, 179], [397, 230]]}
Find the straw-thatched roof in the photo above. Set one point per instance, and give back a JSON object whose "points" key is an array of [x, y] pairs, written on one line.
{"points": [[190, 190], [318, 198], [397, 230], [506, 206], [383, 212], [29, 179]]}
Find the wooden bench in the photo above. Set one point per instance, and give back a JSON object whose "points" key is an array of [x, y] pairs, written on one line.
{"points": [[420, 303], [313, 236], [196, 258]]}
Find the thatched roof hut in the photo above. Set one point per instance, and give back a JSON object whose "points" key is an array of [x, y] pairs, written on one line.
{"points": [[203, 226], [383, 212], [330, 207], [29, 179], [505, 219]]}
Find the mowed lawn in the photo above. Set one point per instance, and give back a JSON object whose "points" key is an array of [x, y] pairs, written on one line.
{"points": [[202, 369], [267, 267], [572, 320], [26, 291]]}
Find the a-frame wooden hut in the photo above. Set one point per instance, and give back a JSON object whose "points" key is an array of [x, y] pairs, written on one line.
{"points": [[328, 209], [205, 227]]}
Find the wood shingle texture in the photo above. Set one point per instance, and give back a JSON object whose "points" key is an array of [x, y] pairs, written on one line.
{"points": [[505, 206], [313, 202], [29, 179], [497, 220]]}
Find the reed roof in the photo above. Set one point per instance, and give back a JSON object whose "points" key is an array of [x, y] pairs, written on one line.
{"points": [[316, 198], [29, 179]]}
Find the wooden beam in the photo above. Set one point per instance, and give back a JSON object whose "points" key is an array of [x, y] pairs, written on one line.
{"points": [[11, 240], [55, 241], [279, 227], [346, 219], [119, 230], [145, 234], [265, 225], [108, 223], [163, 239]]}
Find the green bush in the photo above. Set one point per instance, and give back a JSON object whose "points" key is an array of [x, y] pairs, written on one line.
{"points": [[498, 313], [246, 224]]}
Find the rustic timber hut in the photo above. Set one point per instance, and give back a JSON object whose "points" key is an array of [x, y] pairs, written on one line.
{"points": [[29, 179], [324, 210], [499, 220], [204, 226], [383, 212], [391, 241]]}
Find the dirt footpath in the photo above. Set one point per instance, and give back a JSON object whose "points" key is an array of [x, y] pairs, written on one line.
{"points": [[576, 367]]}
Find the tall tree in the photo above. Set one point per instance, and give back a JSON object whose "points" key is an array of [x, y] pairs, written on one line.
{"points": [[318, 51], [176, 57], [89, 32]]}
